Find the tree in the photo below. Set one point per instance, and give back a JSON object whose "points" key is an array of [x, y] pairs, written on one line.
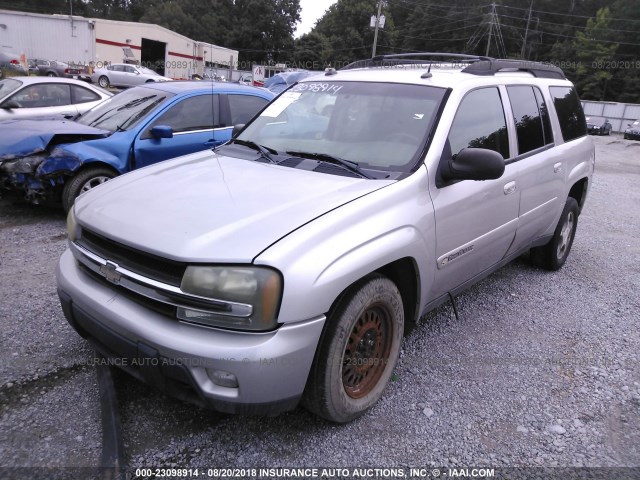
{"points": [[310, 52], [594, 52], [264, 29], [346, 26]]}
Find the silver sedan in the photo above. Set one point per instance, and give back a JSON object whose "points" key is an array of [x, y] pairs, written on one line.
{"points": [[32, 97], [125, 75]]}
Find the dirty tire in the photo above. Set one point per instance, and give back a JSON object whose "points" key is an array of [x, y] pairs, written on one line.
{"points": [[358, 351], [103, 81], [83, 182], [553, 255]]}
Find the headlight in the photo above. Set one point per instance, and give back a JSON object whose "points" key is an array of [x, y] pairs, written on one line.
{"points": [[73, 229], [249, 296]]}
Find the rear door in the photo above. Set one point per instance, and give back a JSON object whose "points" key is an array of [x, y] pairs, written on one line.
{"points": [[475, 220], [542, 168], [196, 126]]}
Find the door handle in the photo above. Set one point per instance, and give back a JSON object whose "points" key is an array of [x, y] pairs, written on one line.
{"points": [[211, 142], [557, 168], [509, 188]]}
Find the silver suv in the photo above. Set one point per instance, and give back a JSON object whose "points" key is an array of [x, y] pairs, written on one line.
{"points": [[286, 265]]}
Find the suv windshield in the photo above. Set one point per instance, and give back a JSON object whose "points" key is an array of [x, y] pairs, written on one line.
{"points": [[380, 126], [124, 110]]}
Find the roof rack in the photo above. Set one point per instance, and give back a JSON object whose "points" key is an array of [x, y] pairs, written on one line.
{"points": [[477, 65], [413, 58], [490, 66]]}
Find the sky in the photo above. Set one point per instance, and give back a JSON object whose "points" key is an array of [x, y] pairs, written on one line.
{"points": [[312, 10]]}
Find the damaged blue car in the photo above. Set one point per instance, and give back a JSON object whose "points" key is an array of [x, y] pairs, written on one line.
{"points": [[51, 161]]}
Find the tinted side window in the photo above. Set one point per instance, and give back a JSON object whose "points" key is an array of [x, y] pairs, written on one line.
{"points": [[43, 95], [83, 95], [544, 114], [527, 117], [480, 123], [570, 114], [244, 107], [193, 113]]}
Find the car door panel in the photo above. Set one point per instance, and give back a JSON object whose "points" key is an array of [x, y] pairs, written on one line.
{"points": [[475, 220], [195, 127], [541, 167]]}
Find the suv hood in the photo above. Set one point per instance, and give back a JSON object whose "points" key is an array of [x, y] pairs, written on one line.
{"points": [[206, 207]]}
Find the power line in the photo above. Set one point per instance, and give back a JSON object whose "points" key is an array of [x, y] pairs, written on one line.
{"points": [[569, 15]]}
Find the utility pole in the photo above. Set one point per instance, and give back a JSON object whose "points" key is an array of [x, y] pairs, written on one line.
{"points": [[375, 35], [526, 32], [493, 13]]}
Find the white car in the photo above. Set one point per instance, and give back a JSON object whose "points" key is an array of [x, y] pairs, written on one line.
{"points": [[125, 75], [32, 97]]}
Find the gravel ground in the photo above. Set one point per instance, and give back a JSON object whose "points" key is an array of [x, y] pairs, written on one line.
{"points": [[542, 369]]}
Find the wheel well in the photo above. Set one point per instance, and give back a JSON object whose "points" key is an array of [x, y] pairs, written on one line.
{"points": [[579, 192], [91, 165], [404, 273]]}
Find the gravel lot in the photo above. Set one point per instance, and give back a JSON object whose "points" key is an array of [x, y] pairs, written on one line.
{"points": [[542, 369]]}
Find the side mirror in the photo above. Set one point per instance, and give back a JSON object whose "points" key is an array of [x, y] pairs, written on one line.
{"points": [[237, 128], [9, 104], [474, 164], [162, 131]]}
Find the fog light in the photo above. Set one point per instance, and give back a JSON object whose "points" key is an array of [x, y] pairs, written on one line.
{"points": [[222, 378]]}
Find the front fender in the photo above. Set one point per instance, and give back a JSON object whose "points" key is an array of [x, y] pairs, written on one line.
{"points": [[68, 159], [322, 259]]}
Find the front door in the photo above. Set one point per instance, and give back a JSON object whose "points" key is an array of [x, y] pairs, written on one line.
{"points": [[475, 220], [196, 126]]}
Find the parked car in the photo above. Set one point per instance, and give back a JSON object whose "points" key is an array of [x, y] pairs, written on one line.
{"points": [[632, 132], [125, 75], [286, 265], [59, 69], [598, 126], [55, 160], [281, 81], [33, 97], [10, 65], [246, 78]]}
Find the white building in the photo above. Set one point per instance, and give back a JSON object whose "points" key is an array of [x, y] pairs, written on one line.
{"points": [[74, 39]]}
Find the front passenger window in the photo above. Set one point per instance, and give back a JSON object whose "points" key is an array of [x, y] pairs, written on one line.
{"points": [[480, 123]]}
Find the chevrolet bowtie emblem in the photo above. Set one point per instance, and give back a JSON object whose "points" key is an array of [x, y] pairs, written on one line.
{"points": [[110, 273]]}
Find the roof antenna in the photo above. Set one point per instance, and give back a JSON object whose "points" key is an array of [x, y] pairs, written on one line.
{"points": [[428, 73]]}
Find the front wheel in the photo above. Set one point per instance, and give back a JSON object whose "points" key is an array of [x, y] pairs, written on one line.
{"points": [[103, 81], [553, 255], [357, 353], [83, 182]]}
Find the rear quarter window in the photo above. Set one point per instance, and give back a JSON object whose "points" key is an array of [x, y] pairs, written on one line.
{"points": [[570, 115]]}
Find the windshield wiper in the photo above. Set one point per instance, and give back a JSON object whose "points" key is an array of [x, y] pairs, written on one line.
{"points": [[264, 152], [325, 157]]}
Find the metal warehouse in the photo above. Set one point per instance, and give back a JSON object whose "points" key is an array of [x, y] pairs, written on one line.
{"points": [[75, 39]]}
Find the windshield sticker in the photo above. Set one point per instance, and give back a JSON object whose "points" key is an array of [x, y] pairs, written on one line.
{"points": [[317, 88], [283, 101]]}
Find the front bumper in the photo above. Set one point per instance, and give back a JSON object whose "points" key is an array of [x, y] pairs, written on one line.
{"points": [[179, 359]]}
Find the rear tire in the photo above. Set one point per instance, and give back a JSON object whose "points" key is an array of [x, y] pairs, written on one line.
{"points": [[83, 182], [103, 81], [357, 352], [553, 255]]}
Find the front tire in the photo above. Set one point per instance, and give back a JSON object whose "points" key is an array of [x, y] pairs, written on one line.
{"points": [[553, 255], [83, 182], [103, 81], [358, 351]]}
